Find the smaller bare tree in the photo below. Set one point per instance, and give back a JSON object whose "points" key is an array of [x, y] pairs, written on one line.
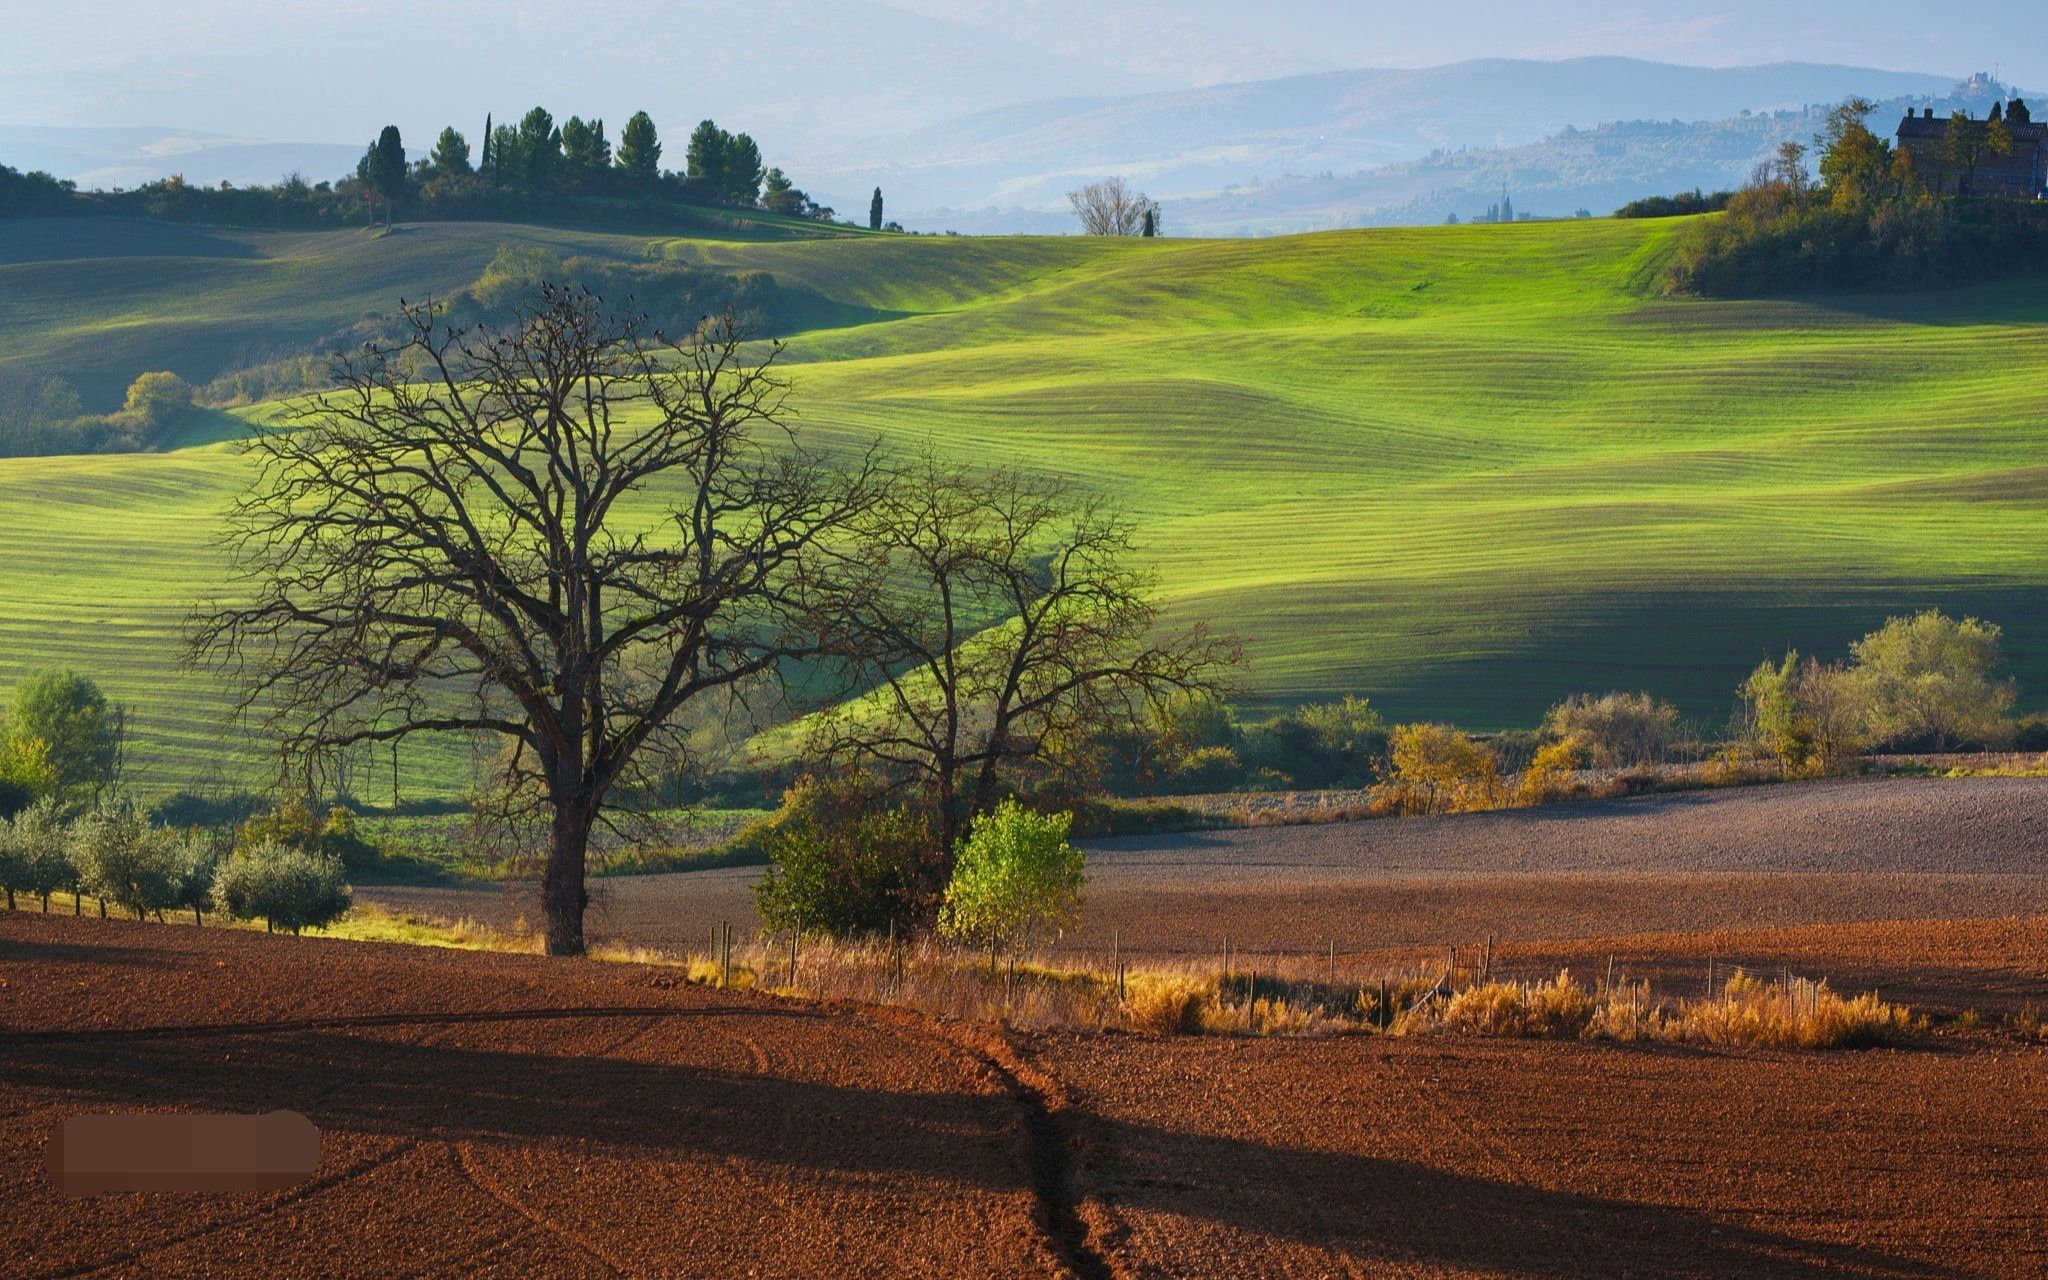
{"points": [[1003, 627], [1113, 207]]}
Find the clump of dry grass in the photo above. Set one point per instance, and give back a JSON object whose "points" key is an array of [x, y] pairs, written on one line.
{"points": [[365, 923], [1167, 1003], [1558, 1010], [1748, 1012], [1794, 1015], [2030, 1022]]}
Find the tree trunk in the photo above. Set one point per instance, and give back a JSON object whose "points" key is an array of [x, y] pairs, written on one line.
{"points": [[563, 896]]}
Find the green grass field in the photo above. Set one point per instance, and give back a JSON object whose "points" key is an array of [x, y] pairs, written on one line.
{"points": [[1463, 470]]}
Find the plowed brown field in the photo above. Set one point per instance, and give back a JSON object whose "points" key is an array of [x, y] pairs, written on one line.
{"points": [[1711, 867], [509, 1115]]}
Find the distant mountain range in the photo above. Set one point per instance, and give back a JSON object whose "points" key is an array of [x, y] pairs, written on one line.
{"points": [[108, 158], [1296, 153], [1200, 140]]}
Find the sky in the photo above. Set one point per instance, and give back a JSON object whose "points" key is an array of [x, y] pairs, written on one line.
{"points": [[815, 80]]}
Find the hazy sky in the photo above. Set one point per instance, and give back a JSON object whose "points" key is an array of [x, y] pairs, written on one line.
{"points": [[813, 77]]}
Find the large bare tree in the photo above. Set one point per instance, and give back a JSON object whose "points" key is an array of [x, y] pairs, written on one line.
{"points": [[1112, 207], [1002, 624], [560, 534]]}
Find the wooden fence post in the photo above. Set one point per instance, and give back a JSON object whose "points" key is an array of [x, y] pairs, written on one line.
{"points": [[1116, 959]]}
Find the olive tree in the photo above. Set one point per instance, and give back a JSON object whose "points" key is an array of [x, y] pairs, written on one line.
{"points": [[42, 842], [14, 872], [561, 535], [288, 889], [123, 860], [193, 861]]}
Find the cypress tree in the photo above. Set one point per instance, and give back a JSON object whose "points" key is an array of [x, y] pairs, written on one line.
{"points": [[386, 170], [487, 164], [875, 211]]}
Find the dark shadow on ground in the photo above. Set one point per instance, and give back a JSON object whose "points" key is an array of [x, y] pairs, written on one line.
{"points": [[563, 1110]]}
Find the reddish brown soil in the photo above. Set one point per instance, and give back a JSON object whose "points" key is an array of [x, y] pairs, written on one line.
{"points": [[1361, 1157], [500, 1115], [512, 1115]]}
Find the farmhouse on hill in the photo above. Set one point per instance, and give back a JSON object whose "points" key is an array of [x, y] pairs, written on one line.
{"points": [[2018, 173]]}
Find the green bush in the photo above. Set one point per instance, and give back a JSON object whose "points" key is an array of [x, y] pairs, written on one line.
{"points": [[1015, 872], [1329, 744], [158, 397], [1617, 730], [288, 889], [1930, 680], [842, 863], [297, 823]]}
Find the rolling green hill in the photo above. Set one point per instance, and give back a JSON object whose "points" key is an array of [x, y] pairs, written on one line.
{"points": [[1462, 470]]}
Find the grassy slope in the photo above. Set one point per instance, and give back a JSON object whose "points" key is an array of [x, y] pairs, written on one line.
{"points": [[1465, 470]]}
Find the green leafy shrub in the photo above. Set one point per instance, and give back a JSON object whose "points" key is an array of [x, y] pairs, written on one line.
{"points": [[297, 823], [288, 889], [1930, 679], [841, 862], [1015, 872], [67, 732], [1325, 744], [1616, 730]]}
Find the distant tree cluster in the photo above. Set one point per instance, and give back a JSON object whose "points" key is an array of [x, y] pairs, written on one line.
{"points": [[40, 414], [1872, 220], [530, 168], [1678, 206], [537, 155], [34, 194]]}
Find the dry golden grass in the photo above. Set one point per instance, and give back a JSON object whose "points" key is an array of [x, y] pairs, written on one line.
{"points": [[1748, 1012], [1560, 1009], [1793, 1015], [1270, 996]]}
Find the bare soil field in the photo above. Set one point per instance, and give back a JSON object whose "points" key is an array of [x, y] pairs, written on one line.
{"points": [[1762, 857], [509, 1115]]}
